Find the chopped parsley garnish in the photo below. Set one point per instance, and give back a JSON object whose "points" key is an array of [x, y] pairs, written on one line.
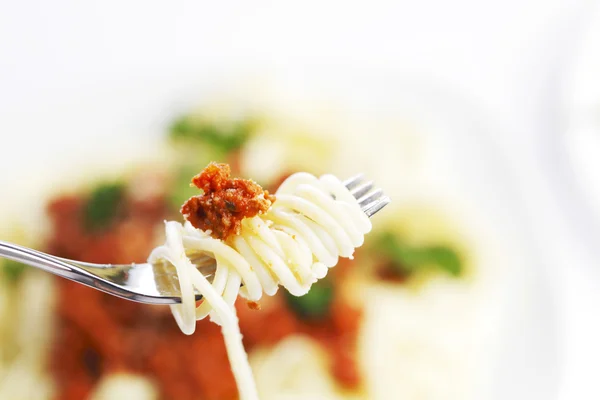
{"points": [[12, 270], [407, 259], [223, 137], [315, 304], [103, 206]]}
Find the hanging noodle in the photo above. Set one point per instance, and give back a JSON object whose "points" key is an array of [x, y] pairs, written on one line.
{"points": [[313, 222]]}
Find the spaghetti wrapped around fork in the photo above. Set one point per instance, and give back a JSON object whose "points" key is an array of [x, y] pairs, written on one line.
{"points": [[308, 225]]}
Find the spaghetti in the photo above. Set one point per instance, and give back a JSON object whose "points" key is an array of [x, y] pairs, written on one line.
{"points": [[313, 222]]}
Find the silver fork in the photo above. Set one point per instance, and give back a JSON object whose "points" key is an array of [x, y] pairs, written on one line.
{"points": [[154, 283]]}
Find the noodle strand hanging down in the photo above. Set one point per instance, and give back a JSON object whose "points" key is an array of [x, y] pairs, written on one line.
{"points": [[313, 222]]}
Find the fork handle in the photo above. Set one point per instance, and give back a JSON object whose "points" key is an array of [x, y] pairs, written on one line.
{"points": [[80, 272], [44, 262]]}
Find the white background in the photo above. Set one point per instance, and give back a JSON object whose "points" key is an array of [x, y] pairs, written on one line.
{"points": [[512, 57]]}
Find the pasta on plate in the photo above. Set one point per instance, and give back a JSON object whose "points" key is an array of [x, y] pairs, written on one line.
{"points": [[337, 341]]}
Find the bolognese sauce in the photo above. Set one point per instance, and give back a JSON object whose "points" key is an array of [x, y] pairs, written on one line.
{"points": [[225, 201]]}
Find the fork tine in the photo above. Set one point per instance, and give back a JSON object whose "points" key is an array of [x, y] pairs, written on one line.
{"points": [[371, 204], [361, 190], [377, 206], [370, 197], [354, 181]]}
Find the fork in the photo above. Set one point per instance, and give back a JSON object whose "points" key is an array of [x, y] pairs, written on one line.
{"points": [[154, 283]]}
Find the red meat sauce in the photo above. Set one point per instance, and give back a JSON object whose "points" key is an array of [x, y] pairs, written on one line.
{"points": [[225, 202], [98, 334]]}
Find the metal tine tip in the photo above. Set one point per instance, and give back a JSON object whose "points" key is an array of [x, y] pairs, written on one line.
{"points": [[371, 204], [354, 181], [376, 206], [368, 198]]}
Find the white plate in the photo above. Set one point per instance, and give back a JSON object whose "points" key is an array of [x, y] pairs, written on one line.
{"points": [[468, 168], [95, 86]]}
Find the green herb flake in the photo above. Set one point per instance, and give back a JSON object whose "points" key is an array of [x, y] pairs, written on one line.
{"points": [[445, 258], [12, 270], [409, 259], [315, 304], [103, 206], [226, 137]]}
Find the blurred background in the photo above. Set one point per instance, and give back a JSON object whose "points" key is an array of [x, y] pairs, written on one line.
{"points": [[486, 112]]}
